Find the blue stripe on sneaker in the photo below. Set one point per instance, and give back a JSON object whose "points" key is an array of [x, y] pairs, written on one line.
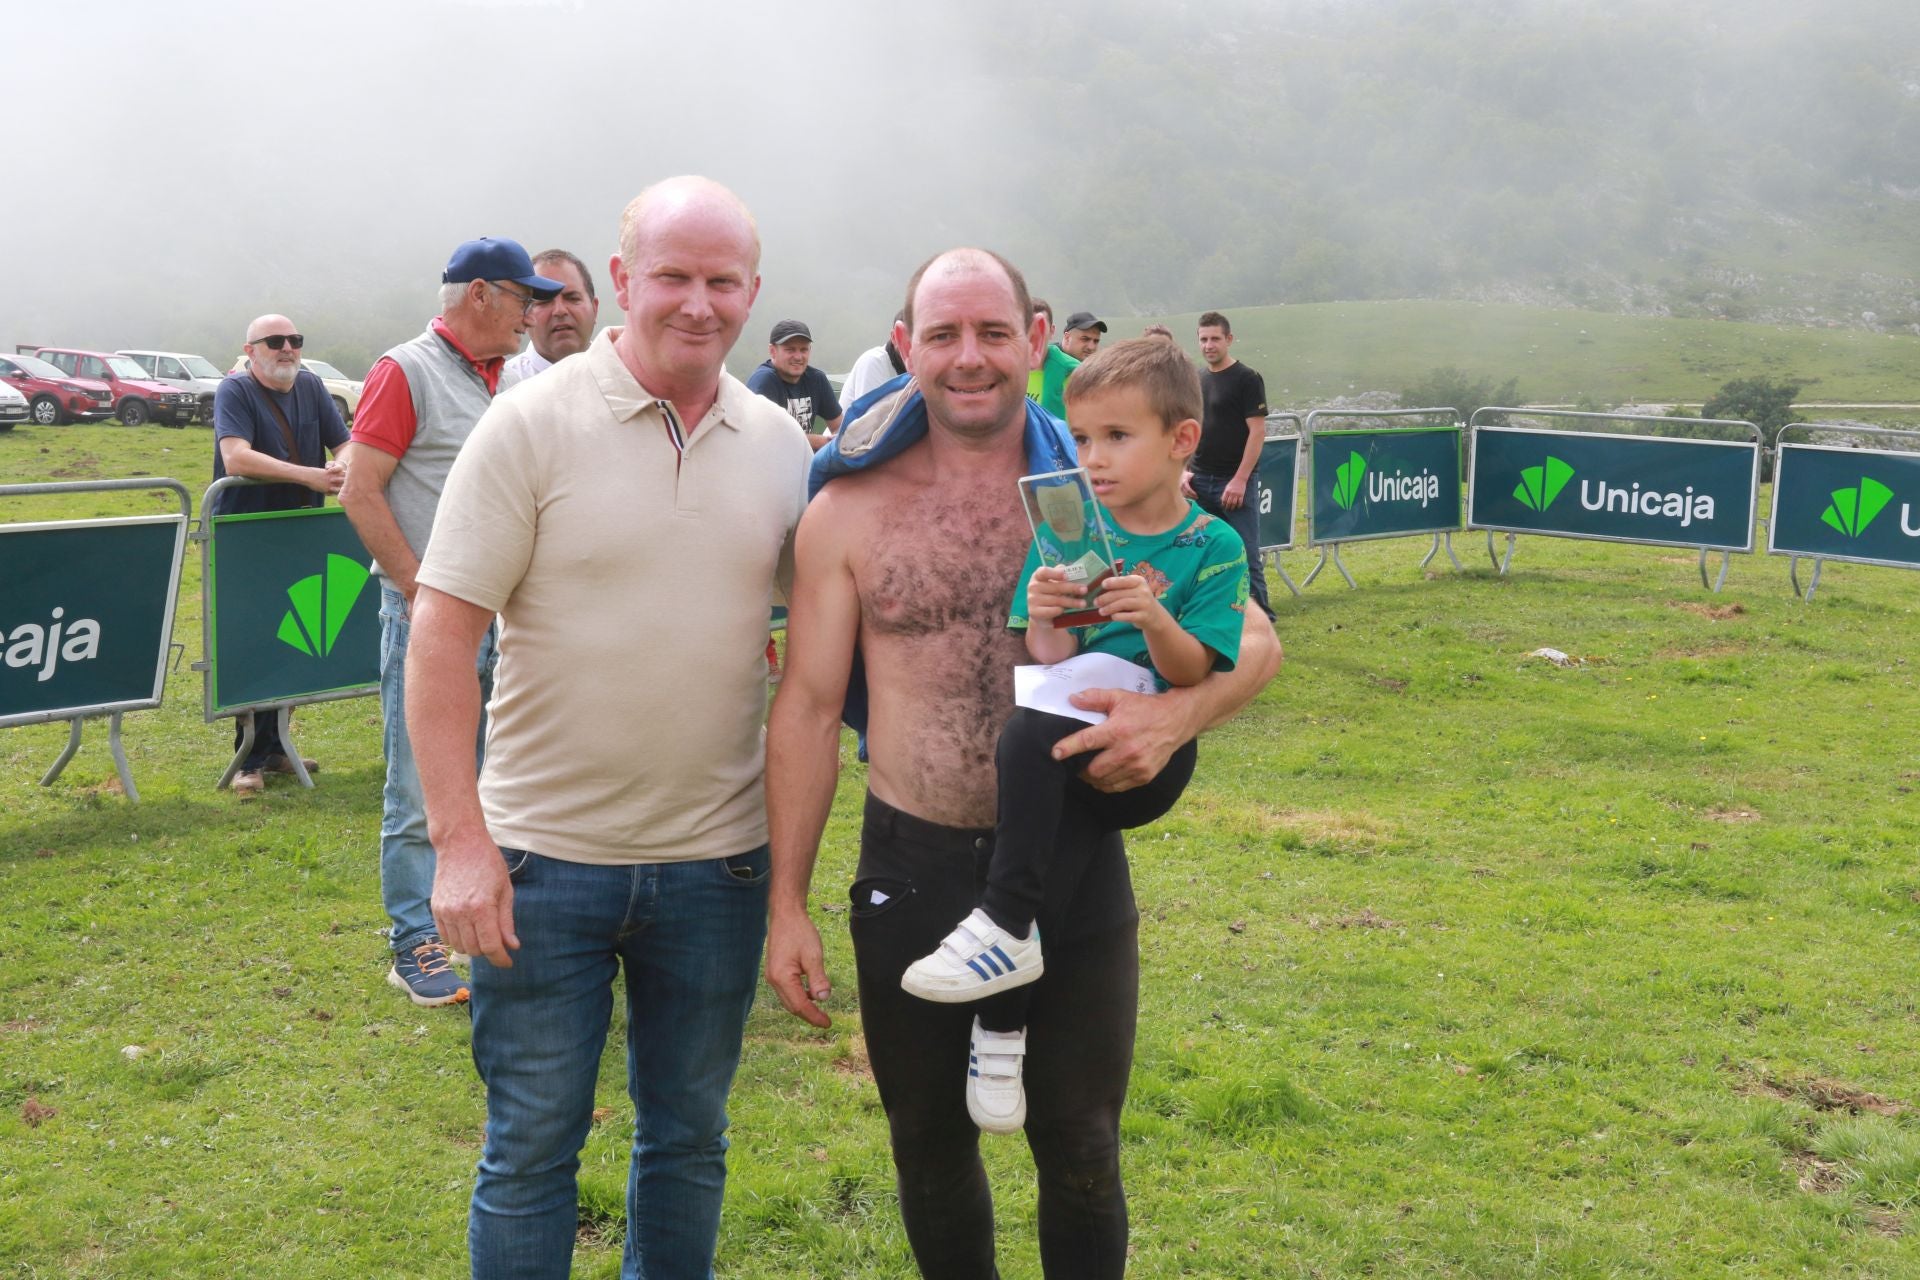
{"points": [[986, 958], [1003, 959], [979, 969]]}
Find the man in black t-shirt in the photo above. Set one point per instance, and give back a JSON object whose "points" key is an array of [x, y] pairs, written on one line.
{"points": [[788, 379], [273, 422], [1225, 471]]}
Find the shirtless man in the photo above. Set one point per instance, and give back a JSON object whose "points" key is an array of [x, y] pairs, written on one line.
{"points": [[911, 561]]}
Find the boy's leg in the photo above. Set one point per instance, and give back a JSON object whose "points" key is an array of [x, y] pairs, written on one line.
{"points": [[1125, 810], [1115, 811], [1032, 792]]}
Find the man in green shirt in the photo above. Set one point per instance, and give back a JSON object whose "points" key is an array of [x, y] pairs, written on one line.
{"points": [[1048, 383]]}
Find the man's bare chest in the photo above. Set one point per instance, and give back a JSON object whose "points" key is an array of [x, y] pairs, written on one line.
{"points": [[941, 568]]}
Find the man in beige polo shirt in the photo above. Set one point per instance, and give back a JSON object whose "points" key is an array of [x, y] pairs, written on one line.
{"points": [[626, 514]]}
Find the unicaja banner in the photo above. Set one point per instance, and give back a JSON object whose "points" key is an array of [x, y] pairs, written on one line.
{"points": [[1846, 504], [293, 610], [1615, 488], [1279, 477], [1384, 484], [86, 615]]}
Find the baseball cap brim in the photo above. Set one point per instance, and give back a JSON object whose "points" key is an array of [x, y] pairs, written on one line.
{"points": [[541, 286]]}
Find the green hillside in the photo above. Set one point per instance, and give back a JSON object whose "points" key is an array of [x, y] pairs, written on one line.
{"points": [[1313, 352]]}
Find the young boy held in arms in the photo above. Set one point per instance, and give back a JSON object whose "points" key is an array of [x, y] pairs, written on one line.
{"points": [[1177, 606]]}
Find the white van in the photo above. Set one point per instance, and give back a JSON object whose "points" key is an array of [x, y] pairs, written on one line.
{"points": [[187, 372]]}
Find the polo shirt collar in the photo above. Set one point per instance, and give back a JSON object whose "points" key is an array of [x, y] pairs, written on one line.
{"points": [[487, 369], [628, 399]]}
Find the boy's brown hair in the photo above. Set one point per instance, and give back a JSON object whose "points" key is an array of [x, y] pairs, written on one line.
{"points": [[1159, 370]]}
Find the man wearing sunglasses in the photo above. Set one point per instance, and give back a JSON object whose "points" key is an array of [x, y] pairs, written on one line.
{"points": [[275, 423], [421, 401]]}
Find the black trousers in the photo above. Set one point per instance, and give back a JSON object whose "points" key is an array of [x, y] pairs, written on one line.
{"points": [[1038, 855], [914, 881], [266, 737]]}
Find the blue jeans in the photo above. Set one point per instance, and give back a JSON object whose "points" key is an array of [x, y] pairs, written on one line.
{"points": [[1243, 520], [406, 855], [689, 935]]}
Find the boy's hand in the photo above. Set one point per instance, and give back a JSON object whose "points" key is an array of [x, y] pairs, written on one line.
{"points": [[1049, 594], [1130, 599]]}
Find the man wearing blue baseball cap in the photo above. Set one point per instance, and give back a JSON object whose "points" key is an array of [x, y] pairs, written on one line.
{"points": [[421, 401]]}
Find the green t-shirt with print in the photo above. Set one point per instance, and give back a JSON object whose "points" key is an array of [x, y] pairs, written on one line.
{"points": [[1198, 570], [1048, 383]]}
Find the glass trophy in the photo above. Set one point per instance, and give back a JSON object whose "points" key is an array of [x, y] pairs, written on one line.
{"points": [[1069, 533]]}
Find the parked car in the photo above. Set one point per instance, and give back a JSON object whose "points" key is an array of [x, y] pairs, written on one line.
{"points": [[13, 407], [344, 390], [137, 399], [54, 398], [182, 372]]}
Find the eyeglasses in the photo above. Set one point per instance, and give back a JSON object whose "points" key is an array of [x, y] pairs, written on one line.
{"points": [[527, 300], [278, 340]]}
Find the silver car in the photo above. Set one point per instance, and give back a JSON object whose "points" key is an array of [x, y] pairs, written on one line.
{"points": [[13, 407], [186, 372]]}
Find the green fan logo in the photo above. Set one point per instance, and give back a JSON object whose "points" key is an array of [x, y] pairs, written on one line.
{"points": [[1852, 510], [1539, 486], [321, 605], [1347, 477]]}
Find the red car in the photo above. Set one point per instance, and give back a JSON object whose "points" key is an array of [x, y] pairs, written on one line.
{"points": [[137, 398], [52, 397]]}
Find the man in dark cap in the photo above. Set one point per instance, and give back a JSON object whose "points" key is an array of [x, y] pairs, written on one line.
{"points": [[421, 401], [788, 378], [1081, 336]]}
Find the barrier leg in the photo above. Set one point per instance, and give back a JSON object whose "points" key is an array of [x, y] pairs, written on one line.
{"points": [[1433, 549], [1274, 560], [1318, 565], [1341, 567], [240, 754], [120, 766], [1793, 573], [1726, 562], [73, 745], [1456, 559], [285, 717], [1498, 563]]}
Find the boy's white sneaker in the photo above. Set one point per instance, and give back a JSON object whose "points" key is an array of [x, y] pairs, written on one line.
{"points": [[995, 1098], [977, 959]]}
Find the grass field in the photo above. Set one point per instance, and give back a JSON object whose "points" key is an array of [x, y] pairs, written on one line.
{"points": [[1313, 352], [1456, 963]]}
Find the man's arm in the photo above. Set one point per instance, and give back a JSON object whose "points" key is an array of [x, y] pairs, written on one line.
{"points": [[1234, 494], [472, 897], [241, 459], [1142, 730], [803, 750], [364, 496]]}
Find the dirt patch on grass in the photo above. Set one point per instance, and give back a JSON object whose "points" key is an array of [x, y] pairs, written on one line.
{"points": [[1885, 1222], [1714, 612], [1816, 1177], [1390, 684], [1365, 919], [15, 1026], [1823, 1094], [853, 1063], [1702, 651], [1322, 826], [84, 467], [1732, 815]]}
